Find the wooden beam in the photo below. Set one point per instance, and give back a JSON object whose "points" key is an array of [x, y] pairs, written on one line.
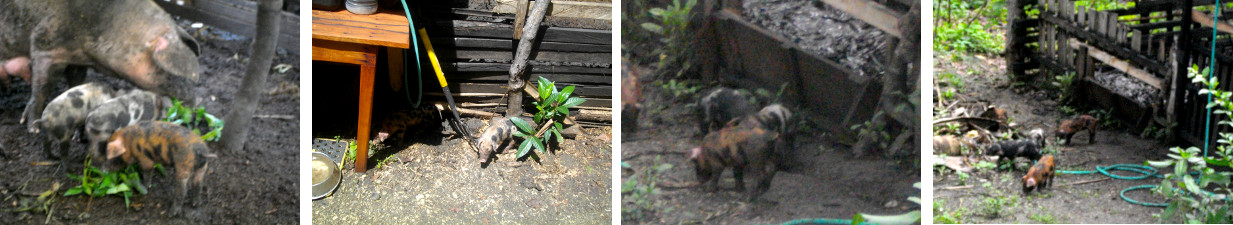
{"points": [[504, 67], [507, 44], [1207, 21], [572, 9], [1119, 64], [870, 12], [463, 28]]}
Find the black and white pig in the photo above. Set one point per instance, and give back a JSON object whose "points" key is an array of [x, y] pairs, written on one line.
{"points": [[126, 109], [66, 114], [131, 39], [722, 106]]}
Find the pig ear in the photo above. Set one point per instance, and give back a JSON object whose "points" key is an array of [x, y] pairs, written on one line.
{"points": [[695, 152], [115, 148], [176, 57], [188, 40]]}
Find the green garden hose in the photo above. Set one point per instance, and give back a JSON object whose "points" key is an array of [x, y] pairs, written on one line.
{"points": [[419, 76]]}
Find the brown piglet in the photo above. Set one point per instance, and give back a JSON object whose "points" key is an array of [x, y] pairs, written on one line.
{"points": [[1041, 174], [149, 142]]}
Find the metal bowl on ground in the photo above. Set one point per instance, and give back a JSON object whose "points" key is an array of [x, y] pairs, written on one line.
{"points": [[325, 174]]}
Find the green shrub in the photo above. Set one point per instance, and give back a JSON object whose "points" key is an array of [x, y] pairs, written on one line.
{"points": [[1198, 187]]}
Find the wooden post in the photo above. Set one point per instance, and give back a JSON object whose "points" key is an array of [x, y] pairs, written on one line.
{"points": [[516, 80]]}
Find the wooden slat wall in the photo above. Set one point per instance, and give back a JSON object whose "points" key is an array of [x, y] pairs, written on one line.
{"points": [[477, 54], [236, 16]]}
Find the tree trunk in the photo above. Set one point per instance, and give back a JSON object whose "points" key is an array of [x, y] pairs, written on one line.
{"points": [[235, 133], [516, 72]]}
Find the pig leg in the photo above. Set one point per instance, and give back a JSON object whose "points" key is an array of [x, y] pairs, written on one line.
{"points": [[766, 173], [45, 68], [738, 172]]}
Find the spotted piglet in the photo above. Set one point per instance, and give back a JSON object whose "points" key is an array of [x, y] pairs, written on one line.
{"points": [[149, 142], [498, 136], [126, 109], [66, 114]]}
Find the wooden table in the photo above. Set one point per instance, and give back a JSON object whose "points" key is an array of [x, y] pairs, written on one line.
{"points": [[344, 37]]}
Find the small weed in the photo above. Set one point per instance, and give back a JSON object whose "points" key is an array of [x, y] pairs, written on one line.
{"points": [[985, 165], [1065, 84], [1042, 218], [963, 177], [996, 206], [948, 94], [941, 216], [679, 89], [639, 189]]}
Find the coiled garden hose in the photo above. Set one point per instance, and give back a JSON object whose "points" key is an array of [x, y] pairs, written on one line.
{"points": [[419, 76]]}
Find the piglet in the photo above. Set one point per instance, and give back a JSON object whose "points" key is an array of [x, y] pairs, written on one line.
{"points": [[126, 109], [66, 114], [155, 142], [497, 136]]}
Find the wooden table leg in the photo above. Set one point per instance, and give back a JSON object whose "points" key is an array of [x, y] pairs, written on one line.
{"points": [[368, 71]]}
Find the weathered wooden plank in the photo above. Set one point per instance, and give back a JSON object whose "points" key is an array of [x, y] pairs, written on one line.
{"points": [[504, 67], [1208, 21], [500, 88], [543, 56], [382, 28], [462, 28], [555, 77], [1120, 65], [870, 12], [572, 9], [237, 18], [507, 44], [497, 99]]}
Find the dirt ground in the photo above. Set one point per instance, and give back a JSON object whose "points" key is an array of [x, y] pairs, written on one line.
{"points": [[257, 185], [432, 176], [975, 199], [823, 181]]}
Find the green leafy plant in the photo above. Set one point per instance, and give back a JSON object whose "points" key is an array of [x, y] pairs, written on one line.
{"points": [[1065, 84], [1042, 218], [637, 191], [673, 22], [98, 183], [195, 118], [553, 107], [942, 216], [968, 25], [1198, 188], [679, 89]]}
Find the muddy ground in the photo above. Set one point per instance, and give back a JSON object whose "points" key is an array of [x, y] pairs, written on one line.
{"points": [[823, 180], [256, 185], [995, 196], [432, 176]]}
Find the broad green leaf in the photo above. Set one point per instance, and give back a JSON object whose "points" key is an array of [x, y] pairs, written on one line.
{"points": [[559, 137], [653, 28], [1159, 164], [522, 125], [73, 191], [566, 92], [571, 102], [536, 142], [901, 219], [524, 148]]}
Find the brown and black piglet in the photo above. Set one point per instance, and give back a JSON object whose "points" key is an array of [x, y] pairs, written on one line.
{"points": [[149, 142], [1070, 127], [1041, 174], [739, 148]]}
